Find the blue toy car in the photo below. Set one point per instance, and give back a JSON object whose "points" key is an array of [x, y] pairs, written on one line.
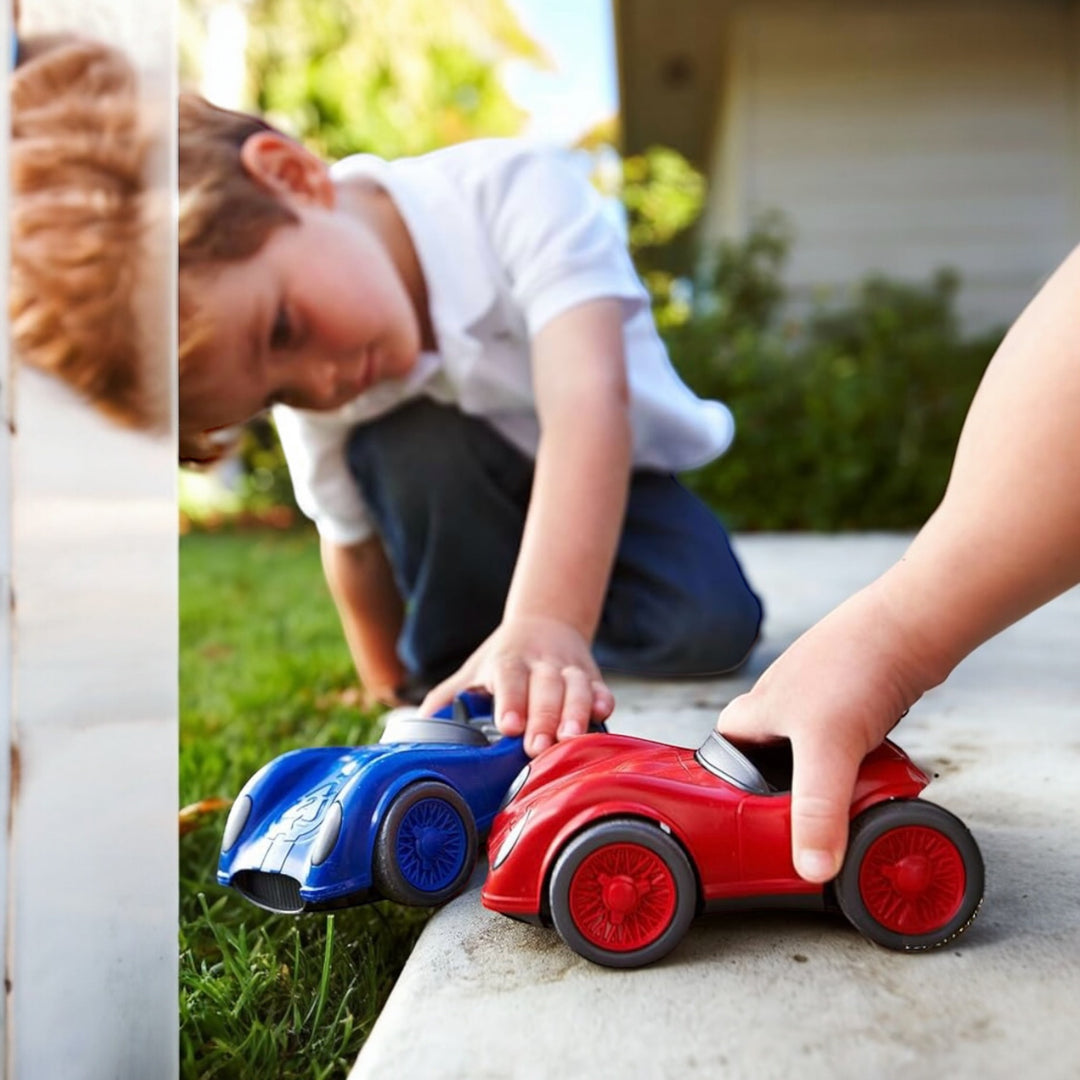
{"points": [[400, 820]]}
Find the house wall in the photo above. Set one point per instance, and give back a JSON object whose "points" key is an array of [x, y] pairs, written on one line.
{"points": [[669, 72], [905, 136]]}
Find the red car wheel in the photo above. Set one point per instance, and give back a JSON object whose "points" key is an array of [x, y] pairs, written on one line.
{"points": [[623, 893], [913, 875]]}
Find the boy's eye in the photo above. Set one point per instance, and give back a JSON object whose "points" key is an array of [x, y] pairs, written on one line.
{"points": [[281, 331]]}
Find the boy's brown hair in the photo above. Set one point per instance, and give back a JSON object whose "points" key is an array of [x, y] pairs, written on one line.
{"points": [[77, 224], [225, 216]]}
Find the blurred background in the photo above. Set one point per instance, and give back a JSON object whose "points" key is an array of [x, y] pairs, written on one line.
{"points": [[837, 206]]}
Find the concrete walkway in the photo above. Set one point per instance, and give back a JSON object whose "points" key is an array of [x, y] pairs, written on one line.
{"points": [[780, 995]]}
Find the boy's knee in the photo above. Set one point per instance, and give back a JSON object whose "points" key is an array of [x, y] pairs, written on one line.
{"points": [[429, 442], [412, 436], [702, 636], [429, 463], [400, 460], [718, 635]]}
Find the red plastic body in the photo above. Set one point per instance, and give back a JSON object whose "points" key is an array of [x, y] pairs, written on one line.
{"points": [[739, 843]]}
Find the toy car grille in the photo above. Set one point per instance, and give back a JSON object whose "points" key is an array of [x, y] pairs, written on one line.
{"points": [[275, 892]]}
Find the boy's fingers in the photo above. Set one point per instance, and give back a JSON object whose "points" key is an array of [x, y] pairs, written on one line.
{"points": [[822, 784], [821, 789], [511, 698], [441, 695], [603, 700], [546, 690], [741, 719], [577, 703]]}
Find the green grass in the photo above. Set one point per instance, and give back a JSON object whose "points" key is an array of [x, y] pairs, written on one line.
{"points": [[264, 669]]}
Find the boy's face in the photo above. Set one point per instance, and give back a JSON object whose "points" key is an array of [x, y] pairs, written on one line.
{"points": [[317, 316]]}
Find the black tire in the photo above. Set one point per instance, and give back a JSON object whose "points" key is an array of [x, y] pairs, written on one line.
{"points": [[912, 877], [584, 909], [427, 813]]}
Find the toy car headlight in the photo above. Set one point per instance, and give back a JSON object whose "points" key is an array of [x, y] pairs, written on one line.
{"points": [[509, 840], [237, 819], [515, 786], [327, 835]]}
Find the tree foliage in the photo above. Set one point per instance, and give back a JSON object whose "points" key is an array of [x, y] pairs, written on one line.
{"points": [[847, 410], [391, 77], [663, 195]]}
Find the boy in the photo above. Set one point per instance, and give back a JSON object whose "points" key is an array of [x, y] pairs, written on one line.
{"points": [[1005, 539], [476, 410]]}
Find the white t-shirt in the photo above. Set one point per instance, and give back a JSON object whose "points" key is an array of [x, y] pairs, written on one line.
{"points": [[509, 235]]}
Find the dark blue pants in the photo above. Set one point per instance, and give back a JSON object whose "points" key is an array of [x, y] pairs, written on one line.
{"points": [[450, 495]]}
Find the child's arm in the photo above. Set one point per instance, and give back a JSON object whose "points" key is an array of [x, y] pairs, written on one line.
{"points": [[1005, 539], [357, 570], [538, 662], [362, 585]]}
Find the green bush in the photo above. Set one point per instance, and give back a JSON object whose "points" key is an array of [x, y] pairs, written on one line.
{"points": [[848, 416]]}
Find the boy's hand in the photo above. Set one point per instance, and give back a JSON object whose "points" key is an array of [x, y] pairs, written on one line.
{"points": [[544, 680], [836, 693]]}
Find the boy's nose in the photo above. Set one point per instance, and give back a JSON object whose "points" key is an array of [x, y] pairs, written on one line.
{"points": [[315, 382], [324, 381], [352, 367]]}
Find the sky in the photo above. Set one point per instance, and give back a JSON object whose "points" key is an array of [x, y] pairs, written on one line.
{"points": [[582, 88]]}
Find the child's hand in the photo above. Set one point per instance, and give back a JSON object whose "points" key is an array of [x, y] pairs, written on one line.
{"points": [[835, 693], [544, 680]]}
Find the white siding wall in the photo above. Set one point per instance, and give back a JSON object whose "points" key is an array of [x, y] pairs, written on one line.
{"points": [[906, 136]]}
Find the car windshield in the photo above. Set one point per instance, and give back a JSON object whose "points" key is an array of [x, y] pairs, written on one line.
{"points": [[722, 759], [430, 729], [770, 763]]}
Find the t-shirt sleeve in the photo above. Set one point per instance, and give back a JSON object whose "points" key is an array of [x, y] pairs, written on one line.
{"points": [[554, 239], [314, 446]]}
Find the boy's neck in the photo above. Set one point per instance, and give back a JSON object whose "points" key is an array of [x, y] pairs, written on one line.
{"points": [[364, 199]]}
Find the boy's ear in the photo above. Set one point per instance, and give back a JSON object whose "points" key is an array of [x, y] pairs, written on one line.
{"points": [[287, 169]]}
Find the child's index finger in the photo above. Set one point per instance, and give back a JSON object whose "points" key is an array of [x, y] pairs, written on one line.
{"points": [[821, 788]]}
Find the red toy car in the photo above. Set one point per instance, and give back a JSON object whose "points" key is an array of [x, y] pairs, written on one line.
{"points": [[620, 842]]}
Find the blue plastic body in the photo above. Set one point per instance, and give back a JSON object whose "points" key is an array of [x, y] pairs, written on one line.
{"points": [[291, 800]]}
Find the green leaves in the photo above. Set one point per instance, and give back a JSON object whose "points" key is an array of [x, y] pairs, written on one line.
{"points": [[394, 79], [847, 412], [663, 194]]}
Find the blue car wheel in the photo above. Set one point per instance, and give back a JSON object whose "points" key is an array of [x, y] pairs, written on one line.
{"points": [[426, 847]]}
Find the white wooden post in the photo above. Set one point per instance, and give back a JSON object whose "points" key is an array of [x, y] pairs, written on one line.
{"points": [[88, 669], [6, 32]]}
